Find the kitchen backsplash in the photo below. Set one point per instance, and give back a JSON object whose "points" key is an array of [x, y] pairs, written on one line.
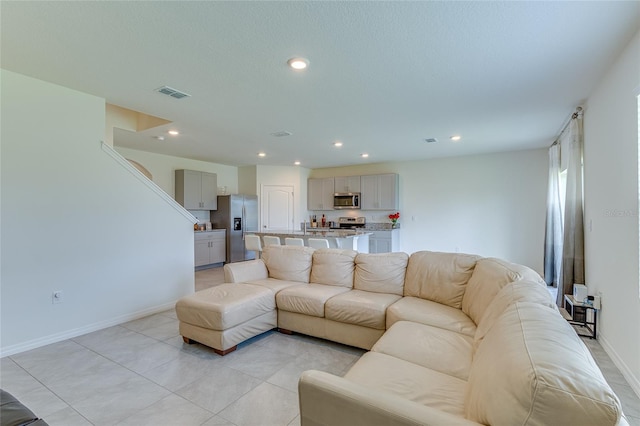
{"points": [[202, 215], [379, 218], [374, 221]]}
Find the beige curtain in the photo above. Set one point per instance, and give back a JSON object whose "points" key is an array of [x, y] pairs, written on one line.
{"points": [[573, 241]]}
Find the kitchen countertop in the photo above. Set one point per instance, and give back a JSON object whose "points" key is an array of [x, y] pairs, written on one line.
{"points": [[314, 233], [212, 230], [375, 226]]}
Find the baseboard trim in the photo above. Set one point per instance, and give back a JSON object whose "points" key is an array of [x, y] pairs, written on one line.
{"points": [[69, 334], [633, 381]]}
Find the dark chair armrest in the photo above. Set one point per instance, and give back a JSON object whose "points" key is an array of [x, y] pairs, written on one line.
{"points": [[14, 413]]}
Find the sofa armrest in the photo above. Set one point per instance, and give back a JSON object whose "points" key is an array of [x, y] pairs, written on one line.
{"points": [[240, 272], [326, 399]]}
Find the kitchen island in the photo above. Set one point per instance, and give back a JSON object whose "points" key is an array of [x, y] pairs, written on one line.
{"points": [[358, 241]]}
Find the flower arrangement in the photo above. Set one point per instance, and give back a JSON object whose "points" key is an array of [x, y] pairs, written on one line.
{"points": [[394, 219]]}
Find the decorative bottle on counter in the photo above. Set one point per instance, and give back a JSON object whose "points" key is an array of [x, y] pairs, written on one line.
{"points": [[324, 221]]}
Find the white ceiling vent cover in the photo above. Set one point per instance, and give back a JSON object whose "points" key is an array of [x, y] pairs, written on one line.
{"points": [[281, 134], [431, 140], [170, 91]]}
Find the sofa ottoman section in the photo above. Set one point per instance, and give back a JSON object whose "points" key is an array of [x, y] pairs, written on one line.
{"points": [[225, 315]]}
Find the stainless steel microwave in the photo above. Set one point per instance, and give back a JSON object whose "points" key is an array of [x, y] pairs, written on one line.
{"points": [[346, 200]]}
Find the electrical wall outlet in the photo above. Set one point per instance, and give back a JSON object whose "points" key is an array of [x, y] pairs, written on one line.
{"points": [[57, 297]]}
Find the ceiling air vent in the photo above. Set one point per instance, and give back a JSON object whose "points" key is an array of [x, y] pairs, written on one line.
{"points": [[281, 134], [431, 140], [170, 91]]}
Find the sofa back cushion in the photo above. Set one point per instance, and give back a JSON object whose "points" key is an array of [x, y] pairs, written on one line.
{"points": [[532, 369], [439, 277], [289, 263], [488, 277], [519, 291], [333, 267], [381, 272]]}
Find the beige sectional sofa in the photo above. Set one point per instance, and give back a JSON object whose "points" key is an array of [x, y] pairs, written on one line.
{"points": [[453, 339]]}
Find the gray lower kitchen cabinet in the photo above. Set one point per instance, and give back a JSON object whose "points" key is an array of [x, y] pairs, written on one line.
{"points": [[384, 241], [196, 190], [210, 247]]}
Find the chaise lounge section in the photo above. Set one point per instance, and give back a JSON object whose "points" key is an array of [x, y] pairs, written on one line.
{"points": [[452, 339]]}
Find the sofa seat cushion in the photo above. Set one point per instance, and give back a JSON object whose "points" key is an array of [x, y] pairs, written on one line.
{"points": [[360, 307], [435, 348], [273, 284], [530, 367], [441, 277], [225, 306], [430, 313], [307, 299], [381, 272], [333, 267], [289, 263], [410, 381]]}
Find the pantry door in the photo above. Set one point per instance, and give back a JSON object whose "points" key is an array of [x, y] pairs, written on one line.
{"points": [[276, 207]]}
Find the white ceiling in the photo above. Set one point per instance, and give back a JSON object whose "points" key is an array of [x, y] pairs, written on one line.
{"points": [[383, 76]]}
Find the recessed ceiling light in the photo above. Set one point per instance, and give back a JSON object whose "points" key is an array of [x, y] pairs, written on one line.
{"points": [[262, 154], [173, 132], [337, 144], [364, 155], [297, 163], [455, 138], [298, 63]]}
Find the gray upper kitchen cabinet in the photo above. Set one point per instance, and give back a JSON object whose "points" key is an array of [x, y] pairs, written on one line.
{"points": [[379, 192], [197, 190], [320, 194], [347, 184]]}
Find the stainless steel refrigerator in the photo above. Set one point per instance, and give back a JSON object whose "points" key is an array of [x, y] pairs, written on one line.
{"points": [[238, 214]]}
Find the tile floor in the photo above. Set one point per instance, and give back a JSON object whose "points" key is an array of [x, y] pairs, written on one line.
{"points": [[141, 373]]}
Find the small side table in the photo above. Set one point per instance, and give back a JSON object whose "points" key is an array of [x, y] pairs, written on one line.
{"points": [[576, 314]]}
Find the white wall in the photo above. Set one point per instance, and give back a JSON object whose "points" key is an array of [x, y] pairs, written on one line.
{"points": [[73, 219], [247, 180], [491, 205], [611, 207], [163, 168]]}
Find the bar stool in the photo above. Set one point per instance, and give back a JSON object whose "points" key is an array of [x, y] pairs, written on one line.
{"points": [[252, 243], [294, 242], [318, 243], [271, 240]]}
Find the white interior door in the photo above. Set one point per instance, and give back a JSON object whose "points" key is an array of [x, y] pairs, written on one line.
{"points": [[276, 207]]}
